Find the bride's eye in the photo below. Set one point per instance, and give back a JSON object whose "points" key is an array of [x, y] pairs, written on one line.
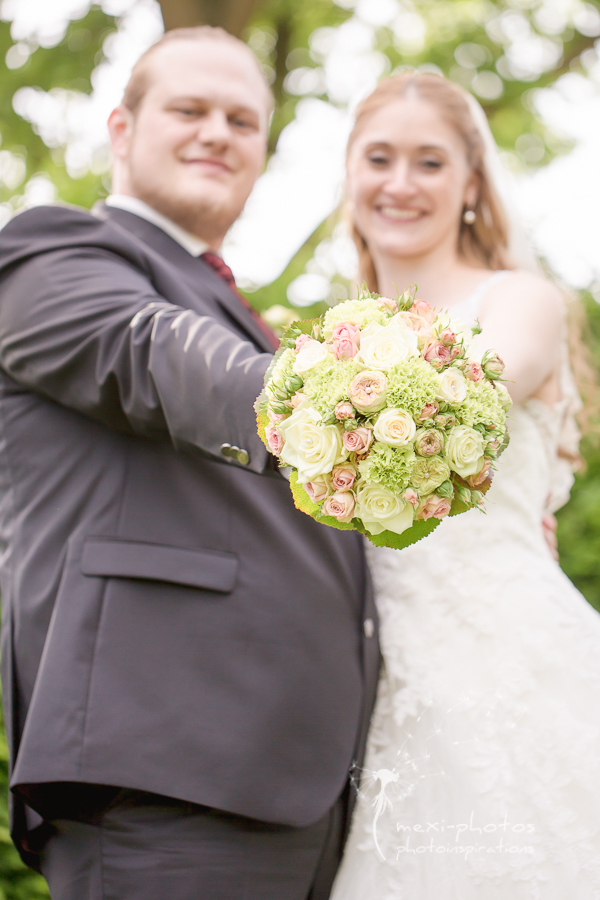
{"points": [[377, 159], [431, 164]]}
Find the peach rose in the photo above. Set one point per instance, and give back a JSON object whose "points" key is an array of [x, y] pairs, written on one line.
{"points": [[340, 505], [386, 303], [367, 391], [343, 476], [359, 440], [437, 354], [434, 507], [481, 476], [416, 323], [423, 309], [317, 489]]}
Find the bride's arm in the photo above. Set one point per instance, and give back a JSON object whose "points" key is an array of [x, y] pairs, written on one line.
{"points": [[522, 319]]}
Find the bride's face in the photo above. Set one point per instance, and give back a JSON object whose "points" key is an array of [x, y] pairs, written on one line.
{"points": [[409, 180]]}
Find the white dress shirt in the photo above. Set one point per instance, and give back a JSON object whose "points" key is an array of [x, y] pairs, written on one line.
{"points": [[194, 245]]}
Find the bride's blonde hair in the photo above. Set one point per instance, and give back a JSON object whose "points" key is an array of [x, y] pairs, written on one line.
{"points": [[484, 242]]}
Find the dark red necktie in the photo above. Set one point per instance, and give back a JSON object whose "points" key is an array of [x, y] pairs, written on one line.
{"points": [[224, 272]]}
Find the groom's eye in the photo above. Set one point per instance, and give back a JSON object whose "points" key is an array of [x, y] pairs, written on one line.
{"points": [[431, 164], [377, 159]]}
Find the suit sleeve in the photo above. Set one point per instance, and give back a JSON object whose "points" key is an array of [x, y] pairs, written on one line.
{"points": [[84, 328]]}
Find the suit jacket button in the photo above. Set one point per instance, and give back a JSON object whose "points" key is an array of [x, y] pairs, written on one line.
{"points": [[369, 628], [226, 449], [243, 457]]}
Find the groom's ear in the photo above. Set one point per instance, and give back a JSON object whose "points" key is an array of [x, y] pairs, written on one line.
{"points": [[120, 127]]}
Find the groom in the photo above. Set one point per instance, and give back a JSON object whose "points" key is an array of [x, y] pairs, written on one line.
{"points": [[189, 663]]}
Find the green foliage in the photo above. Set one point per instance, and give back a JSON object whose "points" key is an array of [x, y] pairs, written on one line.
{"points": [[16, 881]]}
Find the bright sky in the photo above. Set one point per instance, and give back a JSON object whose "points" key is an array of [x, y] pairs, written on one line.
{"points": [[302, 185]]}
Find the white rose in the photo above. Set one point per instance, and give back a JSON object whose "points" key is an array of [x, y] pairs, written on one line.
{"points": [[452, 387], [380, 510], [382, 347], [310, 447], [395, 427], [309, 355], [464, 451]]}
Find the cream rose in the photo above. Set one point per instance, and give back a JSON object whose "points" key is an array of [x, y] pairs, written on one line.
{"points": [[367, 392], [395, 427], [382, 347], [380, 510], [464, 450], [310, 447], [452, 387], [310, 353]]}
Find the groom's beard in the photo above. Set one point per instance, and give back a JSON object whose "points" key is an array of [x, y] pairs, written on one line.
{"points": [[207, 218]]}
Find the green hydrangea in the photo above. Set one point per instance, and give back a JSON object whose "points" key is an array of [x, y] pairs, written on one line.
{"points": [[481, 405], [355, 312], [327, 383], [428, 474], [411, 385], [390, 466]]}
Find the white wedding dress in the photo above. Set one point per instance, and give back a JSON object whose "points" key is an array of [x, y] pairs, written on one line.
{"points": [[482, 776]]}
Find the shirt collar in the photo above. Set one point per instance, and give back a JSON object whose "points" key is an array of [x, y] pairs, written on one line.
{"points": [[194, 245]]}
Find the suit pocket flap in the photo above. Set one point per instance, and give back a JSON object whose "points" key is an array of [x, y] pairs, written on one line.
{"points": [[208, 569]]}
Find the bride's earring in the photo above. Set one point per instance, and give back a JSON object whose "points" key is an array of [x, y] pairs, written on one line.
{"points": [[469, 216]]}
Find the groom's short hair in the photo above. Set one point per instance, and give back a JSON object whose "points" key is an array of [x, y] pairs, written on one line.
{"points": [[141, 75]]}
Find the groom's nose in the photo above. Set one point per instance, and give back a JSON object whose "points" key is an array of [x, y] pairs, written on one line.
{"points": [[214, 128]]}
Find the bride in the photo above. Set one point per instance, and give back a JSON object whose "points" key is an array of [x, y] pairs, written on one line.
{"points": [[481, 778]]}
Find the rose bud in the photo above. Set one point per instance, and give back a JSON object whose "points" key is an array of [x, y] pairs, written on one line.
{"points": [[437, 354], [492, 365], [344, 410], [411, 496], [340, 505], [386, 303], [448, 337], [446, 490], [276, 417], [301, 340], [480, 477], [428, 411], [473, 371]]}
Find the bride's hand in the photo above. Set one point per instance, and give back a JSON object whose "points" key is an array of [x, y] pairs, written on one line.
{"points": [[549, 525]]}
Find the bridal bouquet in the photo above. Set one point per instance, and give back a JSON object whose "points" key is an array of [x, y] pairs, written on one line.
{"points": [[387, 420]]}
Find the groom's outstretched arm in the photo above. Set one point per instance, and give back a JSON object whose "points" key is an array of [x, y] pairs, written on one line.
{"points": [[81, 326]]}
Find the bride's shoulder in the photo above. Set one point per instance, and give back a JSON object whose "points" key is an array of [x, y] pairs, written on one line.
{"points": [[526, 294]]}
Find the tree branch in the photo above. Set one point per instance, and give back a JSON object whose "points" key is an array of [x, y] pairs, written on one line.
{"points": [[233, 15]]}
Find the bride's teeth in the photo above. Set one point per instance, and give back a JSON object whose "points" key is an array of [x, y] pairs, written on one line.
{"points": [[395, 213]]}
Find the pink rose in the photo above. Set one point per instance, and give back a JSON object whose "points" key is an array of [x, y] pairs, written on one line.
{"points": [[428, 411], [297, 399], [343, 476], [344, 410], [434, 507], [411, 496], [448, 337], [274, 439], [301, 340], [481, 476], [473, 371], [345, 341], [359, 440], [367, 391], [340, 505], [423, 309], [437, 354], [317, 489]]}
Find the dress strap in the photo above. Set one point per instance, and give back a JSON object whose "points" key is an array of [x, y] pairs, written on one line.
{"points": [[469, 309]]}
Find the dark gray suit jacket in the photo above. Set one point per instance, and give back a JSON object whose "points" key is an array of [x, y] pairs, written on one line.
{"points": [[170, 622]]}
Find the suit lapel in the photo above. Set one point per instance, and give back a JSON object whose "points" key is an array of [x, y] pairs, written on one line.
{"points": [[195, 271]]}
